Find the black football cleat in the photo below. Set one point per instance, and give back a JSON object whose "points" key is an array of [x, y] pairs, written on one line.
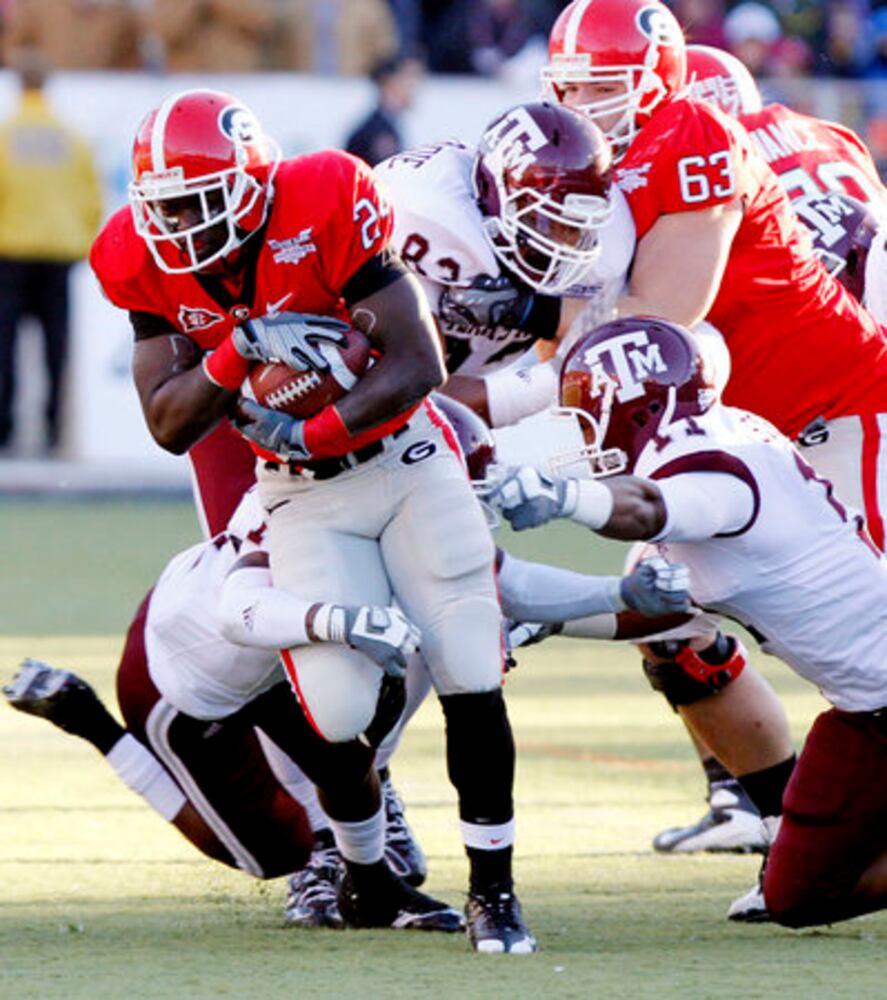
{"points": [[58, 696], [496, 925], [393, 903]]}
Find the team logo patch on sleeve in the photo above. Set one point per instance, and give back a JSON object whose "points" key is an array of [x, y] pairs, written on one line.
{"points": [[294, 249], [629, 179], [197, 318]]}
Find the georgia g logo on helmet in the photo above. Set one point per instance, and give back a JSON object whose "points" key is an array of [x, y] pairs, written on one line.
{"points": [[658, 26], [238, 124], [632, 358]]}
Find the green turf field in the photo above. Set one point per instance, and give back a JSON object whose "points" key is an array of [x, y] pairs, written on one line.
{"points": [[99, 898]]}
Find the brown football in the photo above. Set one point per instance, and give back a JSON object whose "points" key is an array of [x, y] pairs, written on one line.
{"points": [[302, 392]]}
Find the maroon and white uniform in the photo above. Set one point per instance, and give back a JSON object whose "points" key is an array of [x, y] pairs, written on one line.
{"points": [[774, 549], [215, 710], [439, 234]]}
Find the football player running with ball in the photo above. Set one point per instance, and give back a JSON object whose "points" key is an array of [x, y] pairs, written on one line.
{"points": [[230, 258]]}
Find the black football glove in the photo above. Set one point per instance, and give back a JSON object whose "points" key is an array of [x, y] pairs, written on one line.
{"points": [[487, 301], [272, 430]]}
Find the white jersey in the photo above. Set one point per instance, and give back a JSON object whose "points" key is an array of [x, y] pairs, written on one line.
{"points": [[800, 575], [192, 665], [438, 232]]}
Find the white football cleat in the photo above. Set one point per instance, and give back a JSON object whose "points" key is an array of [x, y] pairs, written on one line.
{"points": [[732, 824]]}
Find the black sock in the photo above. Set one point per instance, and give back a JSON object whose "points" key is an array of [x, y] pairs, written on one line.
{"points": [[490, 870], [324, 839], [96, 725], [715, 772], [766, 787]]}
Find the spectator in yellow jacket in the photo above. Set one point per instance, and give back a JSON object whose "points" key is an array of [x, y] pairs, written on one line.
{"points": [[50, 210]]}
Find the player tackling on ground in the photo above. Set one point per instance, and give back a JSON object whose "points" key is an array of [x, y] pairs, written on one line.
{"points": [[767, 544]]}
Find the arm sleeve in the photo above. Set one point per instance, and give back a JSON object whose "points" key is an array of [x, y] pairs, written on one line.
{"points": [[535, 592], [253, 613], [701, 505]]}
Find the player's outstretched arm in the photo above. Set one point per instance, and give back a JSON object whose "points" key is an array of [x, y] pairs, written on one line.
{"points": [[252, 612], [625, 507], [536, 592], [687, 507]]}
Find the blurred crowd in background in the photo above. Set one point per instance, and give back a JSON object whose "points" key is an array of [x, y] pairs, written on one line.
{"points": [[846, 38]]}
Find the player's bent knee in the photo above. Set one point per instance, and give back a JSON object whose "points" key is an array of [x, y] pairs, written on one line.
{"points": [[462, 646], [685, 676], [337, 687]]}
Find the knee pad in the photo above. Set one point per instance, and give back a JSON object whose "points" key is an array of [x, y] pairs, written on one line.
{"points": [[686, 676]]}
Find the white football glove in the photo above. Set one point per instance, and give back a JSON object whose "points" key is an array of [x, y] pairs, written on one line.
{"points": [[529, 499], [385, 635], [656, 587], [292, 338]]}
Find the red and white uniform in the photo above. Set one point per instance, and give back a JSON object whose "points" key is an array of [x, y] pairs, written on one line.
{"points": [[801, 347], [777, 552], [810, 156], [327, 218]]}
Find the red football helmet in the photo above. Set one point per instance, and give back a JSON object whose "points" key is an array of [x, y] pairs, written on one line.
{"points": [[627, 382], [203, 171], [843, 230], [542, 181], [719, 78], [635, 43]]}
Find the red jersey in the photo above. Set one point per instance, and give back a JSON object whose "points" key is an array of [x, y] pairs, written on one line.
{"points": [[801, 346], [810, 156], [327, 218]]}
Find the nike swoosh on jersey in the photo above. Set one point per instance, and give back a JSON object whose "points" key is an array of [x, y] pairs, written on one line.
{"points": [[272, 309]]}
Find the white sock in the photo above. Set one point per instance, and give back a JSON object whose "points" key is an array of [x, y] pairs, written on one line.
{"points": [[488, 838], [362, 842], [141, 771]]}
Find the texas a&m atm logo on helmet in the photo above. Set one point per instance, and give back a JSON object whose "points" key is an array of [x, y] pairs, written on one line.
{"points": [[627, 382]]}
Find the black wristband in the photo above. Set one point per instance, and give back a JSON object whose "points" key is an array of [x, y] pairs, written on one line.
{"points": [[544, 317]]}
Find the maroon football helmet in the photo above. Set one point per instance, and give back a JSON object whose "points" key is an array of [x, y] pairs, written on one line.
{"points": [[542, 181], [843, 229], [627, 382], [475, 439]]}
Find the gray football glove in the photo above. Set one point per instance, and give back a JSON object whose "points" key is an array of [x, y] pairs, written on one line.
{"points": [[487, 301], [385, 635], [656, 587], [292, 338], [277, 432], [529, 499]]}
